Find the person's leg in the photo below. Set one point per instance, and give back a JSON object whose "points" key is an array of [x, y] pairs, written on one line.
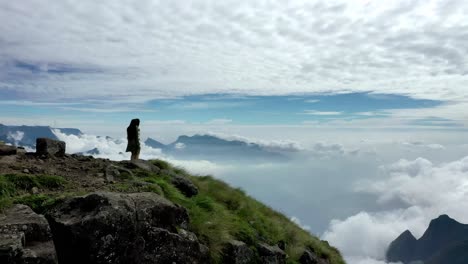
{"points": [[133, 157], [137, 154]]}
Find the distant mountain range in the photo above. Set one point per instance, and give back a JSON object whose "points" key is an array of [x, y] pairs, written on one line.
{"points": [[186, 147], [26, 135], [444, 242], [215, 148]]}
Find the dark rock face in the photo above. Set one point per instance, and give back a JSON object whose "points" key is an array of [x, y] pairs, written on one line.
{"points": [[123, 228], [184, 185], [181, 182], [25, 237], [456, 253], [271, 254], [237, 252], [444, 234], [47, 146], [6, 150]]}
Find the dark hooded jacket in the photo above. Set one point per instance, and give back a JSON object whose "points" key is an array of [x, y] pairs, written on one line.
{"points": [[133, 136]]}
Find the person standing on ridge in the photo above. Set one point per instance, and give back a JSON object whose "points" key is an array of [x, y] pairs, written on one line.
{"points": [[133, 137]]}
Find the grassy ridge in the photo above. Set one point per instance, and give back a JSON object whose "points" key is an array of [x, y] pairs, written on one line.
{"points": [[16, 188], [219, 213]]}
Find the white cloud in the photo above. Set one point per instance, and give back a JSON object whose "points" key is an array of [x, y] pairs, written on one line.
{"points": [[115, 150], [273, 145], [108, 147], [420, 144], [220, 121], [180, 145], [324, 149], [137, 51], [202, 167], [428, 190], [16, 136], [322, 113]]}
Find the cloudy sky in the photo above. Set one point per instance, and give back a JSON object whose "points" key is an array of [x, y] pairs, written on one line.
{"points": [[376, 88]]}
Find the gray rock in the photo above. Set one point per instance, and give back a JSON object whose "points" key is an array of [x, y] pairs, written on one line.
{"points": [[47, 146], [123, 228], [114, 171], [21, 151], [11, 247], [34, 190], [25, 237], [184, 185], [271, 254], [6, 150], [237, 252], [309, 257]]}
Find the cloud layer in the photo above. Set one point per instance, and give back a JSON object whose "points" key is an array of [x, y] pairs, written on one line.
{"points": [[131, 51], [423, 189]]}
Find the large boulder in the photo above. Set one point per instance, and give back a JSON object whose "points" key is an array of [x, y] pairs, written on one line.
{"points": [[25, 237], [123, 228], [237, 252], [184, 185], [181, 182], [47, 146], [6, 150], [271, 254]]}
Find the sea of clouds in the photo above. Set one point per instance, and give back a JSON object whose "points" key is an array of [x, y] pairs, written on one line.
{"points": [[355, 198]]}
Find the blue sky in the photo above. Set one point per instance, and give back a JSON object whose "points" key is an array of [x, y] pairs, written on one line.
{"points": [[245, 110]]}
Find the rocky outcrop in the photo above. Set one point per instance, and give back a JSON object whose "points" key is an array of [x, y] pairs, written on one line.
{"points": [[181, 182], [47, 146], [25, 237], [6, 150], [123, 228], [237, 252], [444, 234], [271, 254], [184, 185]]}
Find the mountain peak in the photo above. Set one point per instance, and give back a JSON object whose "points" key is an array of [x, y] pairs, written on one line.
{"points": [[407, 235], [442, 222], [443, 217]]}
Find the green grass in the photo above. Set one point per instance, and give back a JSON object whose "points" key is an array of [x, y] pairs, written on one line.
{"points": [[15, 188], [40, 203], [220, 213], [162, 164]]}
